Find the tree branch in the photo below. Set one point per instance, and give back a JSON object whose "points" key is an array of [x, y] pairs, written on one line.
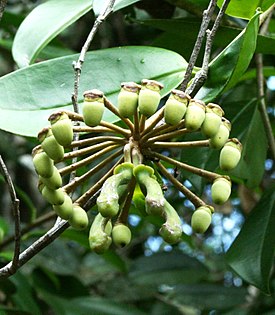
{"points": [[207, 14], [261, 92], [3, 4], [16, 214], [201, 76]]}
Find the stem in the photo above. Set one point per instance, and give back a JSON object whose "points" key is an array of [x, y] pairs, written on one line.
{"points": [[16, 214], [136, 134], [261, 92], [168, 135], [114, 110], [142, 123], [90, 149], [93, 140], [186, 144], [117, 129], [42, 219], [79, 180], [197, 202], [207, 14], [201, 76], [161, 130], [93, 190], [78, 65], [68, 169], [195, 170], [92, 129], [3, 4], [153, 120]]}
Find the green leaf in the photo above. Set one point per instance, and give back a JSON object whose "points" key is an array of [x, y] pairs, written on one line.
{"points": [[248, 127], [88, 305], [44, 23], [33, 93], [251, 254], [244, 9], [23, 298], [226, 69], [207, 296], [167, 269], [186, 30]]}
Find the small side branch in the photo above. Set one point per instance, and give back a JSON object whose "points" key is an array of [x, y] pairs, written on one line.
{"points": [[201, 76], [207, 14], [16, 214], [3, 4]]}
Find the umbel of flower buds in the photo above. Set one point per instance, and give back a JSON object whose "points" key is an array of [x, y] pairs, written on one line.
{"points": [[121, 167]]}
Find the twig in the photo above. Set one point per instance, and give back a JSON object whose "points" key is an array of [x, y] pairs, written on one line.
{"points": [[261, 92], [78, 65], [207, 14], [201, 76], [93, 140], [16, 214], [3, 4], [40, 220], [169, 135]]}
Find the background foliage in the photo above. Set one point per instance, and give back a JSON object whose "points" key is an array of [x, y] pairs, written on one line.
{"points": [[217, 273]]}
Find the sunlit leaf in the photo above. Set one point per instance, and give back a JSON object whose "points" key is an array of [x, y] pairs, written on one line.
{"points": [[245, 9], [33, 93], [43, 24]]}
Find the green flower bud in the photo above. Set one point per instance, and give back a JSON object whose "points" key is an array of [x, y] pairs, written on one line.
{"points": [[49, 144], [201, 219], [54, 197], [62, 128], [53, 182], [230, 154], [79, 218], [108, 200], [171, 230], [212, 121], [221, 190], [154, 200], [42, 163], [195, 115], [128, 99], [99, 235], [121, 235], [93, 107], [220, 138], [149, 97], [175, 107], [65, 210]]}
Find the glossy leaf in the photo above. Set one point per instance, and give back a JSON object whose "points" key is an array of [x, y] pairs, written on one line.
{"points": [[47, 86], [43, 24], [207, 296], [251, 255], [177, 31], [88, 305], [248, 127], [226, 69], [245, 9], [167, 268]]}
